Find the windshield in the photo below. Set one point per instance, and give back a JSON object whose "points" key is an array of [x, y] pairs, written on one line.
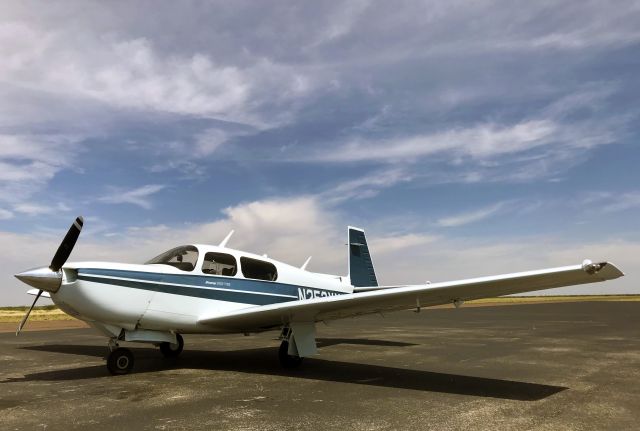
{"points": [[183, 258]]}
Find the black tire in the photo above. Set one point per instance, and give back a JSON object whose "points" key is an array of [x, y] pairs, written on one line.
{"points": [[120, 361], [287, 360], [171, 350]]}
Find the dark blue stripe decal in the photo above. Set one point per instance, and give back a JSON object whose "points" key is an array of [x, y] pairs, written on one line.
{"points": [[219, 295], [229, 289]]}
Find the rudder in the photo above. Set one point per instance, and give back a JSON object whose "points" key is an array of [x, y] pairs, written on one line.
{"points": [[361, 270]]}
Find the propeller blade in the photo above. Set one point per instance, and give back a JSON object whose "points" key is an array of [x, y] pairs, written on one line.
{"points": [[26, 316], [66, 246]]}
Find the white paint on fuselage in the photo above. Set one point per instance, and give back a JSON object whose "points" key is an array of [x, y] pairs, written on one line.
{"points": [[132, 308]]}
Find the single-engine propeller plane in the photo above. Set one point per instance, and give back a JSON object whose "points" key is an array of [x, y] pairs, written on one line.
{"points": [[207, 289]]}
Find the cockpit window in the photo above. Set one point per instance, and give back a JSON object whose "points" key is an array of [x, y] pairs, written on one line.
{"points": [[183, 258], [219, 264], [258, 269]]}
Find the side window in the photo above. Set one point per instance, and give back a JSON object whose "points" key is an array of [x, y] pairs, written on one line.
{"points": [[258, 269], [219, 264]]}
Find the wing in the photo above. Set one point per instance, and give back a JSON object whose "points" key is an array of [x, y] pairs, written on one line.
{"points": [[405, 297]]}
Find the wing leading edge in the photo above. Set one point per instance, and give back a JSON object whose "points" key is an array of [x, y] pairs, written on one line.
{"points": [[406, 297]]}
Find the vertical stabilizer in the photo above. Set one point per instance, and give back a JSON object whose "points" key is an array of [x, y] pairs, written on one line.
{"points": [[361, 270]]}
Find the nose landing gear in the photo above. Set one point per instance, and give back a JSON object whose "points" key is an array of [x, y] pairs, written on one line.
{"points": [[120, 361]]}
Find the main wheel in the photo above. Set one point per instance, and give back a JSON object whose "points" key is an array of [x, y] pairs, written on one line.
{"points": [[287, 360], [120, 361], [170, 350]]}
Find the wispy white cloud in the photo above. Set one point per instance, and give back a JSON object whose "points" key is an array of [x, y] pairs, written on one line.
{"points": [[543, 145], [402, 243], [471, 216], [339, 22], [187, 156], [97, 77], [140, 196], [366, 186], [5, 214], [34, 209], [133, 74], [209, 141], [482, 141], [592, 37], [485, 140], [623, 202], [29, 161], [610, 202], [188, 168]]}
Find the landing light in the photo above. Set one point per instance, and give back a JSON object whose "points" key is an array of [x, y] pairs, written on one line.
{"points": [[592, 268]]}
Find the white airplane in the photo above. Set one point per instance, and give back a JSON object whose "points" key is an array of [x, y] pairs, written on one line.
{"points": [[204, 289]]}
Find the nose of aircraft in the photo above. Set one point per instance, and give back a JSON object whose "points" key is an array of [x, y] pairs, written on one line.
{"points": [[42, 278], [50, 278]]}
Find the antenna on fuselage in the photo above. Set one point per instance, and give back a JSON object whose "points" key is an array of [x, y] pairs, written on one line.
{"points": [[224, 242], [306, 262]]}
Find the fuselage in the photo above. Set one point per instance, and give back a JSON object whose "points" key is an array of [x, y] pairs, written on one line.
{"points": [[172, 296]]}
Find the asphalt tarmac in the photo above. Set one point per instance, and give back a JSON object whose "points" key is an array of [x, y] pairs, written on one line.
{"points": [[569, 366]]}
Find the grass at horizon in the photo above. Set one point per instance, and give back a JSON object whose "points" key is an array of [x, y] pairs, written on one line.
{"points": [[52, 312]]}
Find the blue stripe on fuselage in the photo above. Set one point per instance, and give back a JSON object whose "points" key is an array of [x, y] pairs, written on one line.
{"points": [[230, 289]]}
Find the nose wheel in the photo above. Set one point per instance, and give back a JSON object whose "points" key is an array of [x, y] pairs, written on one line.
{"points": [[120, 361]]}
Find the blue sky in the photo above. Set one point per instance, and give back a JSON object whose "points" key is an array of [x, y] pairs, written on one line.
{"points": [[468, 139]]}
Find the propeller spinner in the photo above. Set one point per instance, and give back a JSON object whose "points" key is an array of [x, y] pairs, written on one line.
{"points": [[50, 278]]}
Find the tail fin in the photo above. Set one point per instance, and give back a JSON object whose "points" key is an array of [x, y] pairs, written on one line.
{"points": [[361, 270]]}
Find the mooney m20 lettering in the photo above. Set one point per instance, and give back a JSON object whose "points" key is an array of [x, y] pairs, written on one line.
{"points": [[208, 289]]}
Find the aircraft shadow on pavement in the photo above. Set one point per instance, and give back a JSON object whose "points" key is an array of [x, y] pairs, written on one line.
{"points": [[264, 361], [326, 342]]}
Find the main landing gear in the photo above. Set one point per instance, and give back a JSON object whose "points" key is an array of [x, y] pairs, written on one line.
{"points": [[120, 359], [170, 350], [287, 360]]}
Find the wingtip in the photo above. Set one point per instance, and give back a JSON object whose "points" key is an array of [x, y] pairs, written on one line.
{"points": [[618, 271], [610, 271]]}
